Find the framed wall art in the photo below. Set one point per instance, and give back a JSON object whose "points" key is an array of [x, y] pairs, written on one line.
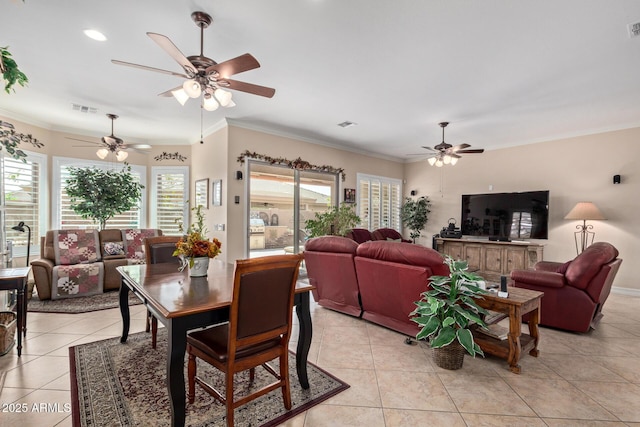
{"points": [[202, 192], [349, 195], [216, 193]]}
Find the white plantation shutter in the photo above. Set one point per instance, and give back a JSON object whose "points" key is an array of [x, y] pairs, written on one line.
{"points": [[169, 194], [65, 218], [379, 201], [24, 197]]}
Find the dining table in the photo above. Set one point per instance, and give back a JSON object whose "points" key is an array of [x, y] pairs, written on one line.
{"points": [[183, 303]]}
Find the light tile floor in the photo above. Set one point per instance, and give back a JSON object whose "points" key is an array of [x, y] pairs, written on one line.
{"points": [[591, 379]]}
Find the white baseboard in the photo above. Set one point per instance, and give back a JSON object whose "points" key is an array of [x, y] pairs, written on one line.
{"points": [[625, 291]]}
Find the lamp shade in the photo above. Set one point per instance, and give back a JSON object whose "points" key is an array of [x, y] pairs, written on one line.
{"points": [[192, 88], [431, 160], [209, 103], [584, 211], [223, 96], [102, 153], [121, 155], [180, 95]]}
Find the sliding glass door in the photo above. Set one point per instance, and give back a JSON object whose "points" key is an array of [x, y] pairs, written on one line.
{"points": [[280, 201]]}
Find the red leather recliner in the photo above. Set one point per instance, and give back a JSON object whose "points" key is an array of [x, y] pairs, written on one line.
{"points": [[574, 292], [388, 233], [391, 277], [330, 268]]}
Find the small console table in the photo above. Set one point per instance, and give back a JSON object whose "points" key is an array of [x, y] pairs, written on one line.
{"points": [[16, 278], [519, 302]]}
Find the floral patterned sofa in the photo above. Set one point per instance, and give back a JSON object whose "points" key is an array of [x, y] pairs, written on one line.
{"points": [[81, 262]]}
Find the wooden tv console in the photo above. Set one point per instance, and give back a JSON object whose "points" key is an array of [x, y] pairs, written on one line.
{"points": [[491, 259]]}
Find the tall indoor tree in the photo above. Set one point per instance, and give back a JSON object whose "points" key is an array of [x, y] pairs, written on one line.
{"points": [[415, 214], [99, 194]]}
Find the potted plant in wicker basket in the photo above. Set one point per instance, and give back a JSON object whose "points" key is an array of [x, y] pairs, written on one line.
{"points": [[447, 311]]}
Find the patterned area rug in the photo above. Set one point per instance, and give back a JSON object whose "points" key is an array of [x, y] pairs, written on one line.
{"points": [[103, 301], [115, 384]]}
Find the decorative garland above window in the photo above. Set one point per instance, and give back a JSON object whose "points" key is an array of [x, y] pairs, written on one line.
{"points": [[293, 164], [170, 156]]}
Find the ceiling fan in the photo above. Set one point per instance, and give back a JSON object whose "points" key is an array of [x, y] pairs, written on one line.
{"points": [[203, 75], [445, 154], [113, 144]]}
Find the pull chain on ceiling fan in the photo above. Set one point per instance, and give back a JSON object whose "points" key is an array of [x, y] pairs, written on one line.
{"points": [[203, 75]]}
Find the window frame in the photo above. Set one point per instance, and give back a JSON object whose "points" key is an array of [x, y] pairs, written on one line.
{"points": [[56, 186], [156, 171], [43, 193], [382, 180]]}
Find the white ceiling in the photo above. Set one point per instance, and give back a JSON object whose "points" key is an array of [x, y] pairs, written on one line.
{"points": [[503, 72]]}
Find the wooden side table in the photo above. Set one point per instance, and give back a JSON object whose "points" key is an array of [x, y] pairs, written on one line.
{"points": [[519, 302], [16, 278]]}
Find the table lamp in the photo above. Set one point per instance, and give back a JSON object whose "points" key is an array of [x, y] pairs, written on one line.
{"points": [[584, 211]]}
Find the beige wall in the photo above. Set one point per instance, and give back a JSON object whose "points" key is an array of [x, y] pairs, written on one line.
{"points": [[573, 170]]}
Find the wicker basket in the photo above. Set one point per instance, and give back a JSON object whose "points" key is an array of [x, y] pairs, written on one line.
{"points": [[8, 325], [449, 357]]}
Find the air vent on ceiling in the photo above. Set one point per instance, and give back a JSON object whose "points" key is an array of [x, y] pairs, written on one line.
{"points": [[83, 108], [634, 29], [346, 124]]}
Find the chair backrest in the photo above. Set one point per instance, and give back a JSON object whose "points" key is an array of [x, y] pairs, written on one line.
{"points": [[588, 264], [386, 233], [160, 249], [262, 303]]}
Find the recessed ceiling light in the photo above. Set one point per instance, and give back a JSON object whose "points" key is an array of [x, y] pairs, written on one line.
{"points": [[95, 35], [346, 124]]}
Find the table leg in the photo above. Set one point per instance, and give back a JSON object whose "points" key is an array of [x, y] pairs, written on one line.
{"points": [[515, 319], [24, 309], [21, 316], [534, 319], [304, 337], [177, 345], [124, 311]]}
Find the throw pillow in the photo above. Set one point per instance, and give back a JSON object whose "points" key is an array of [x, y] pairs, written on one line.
{"points": [[389, 239], [113, 248]]}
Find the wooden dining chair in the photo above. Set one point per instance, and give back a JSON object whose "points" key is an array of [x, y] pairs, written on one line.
{"points": [[258, 330], [158, 250]]}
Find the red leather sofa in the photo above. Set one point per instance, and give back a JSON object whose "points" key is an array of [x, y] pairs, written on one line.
{"points": [[575, 291], [391, 277], [378, 280], [330, 268]]}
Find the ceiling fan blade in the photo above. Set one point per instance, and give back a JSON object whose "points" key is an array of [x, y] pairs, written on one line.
{"points": [[144, 67], [250, 88], [168, 46], [460, 147], [168, 93], [472, 151], [233, 66], [428, 148]]}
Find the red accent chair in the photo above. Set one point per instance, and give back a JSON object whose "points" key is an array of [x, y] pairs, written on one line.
{"points": [[388, 234], [574, 292], [359, 235], [330, 268], [391, 277]]}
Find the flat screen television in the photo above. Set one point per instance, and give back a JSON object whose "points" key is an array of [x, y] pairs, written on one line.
{"points": [[506, 216]]}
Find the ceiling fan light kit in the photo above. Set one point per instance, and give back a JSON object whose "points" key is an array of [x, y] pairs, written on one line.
{"points": [[447, 154], [205, 77]]}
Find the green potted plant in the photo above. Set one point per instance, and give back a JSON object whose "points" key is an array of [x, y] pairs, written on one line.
{"points": [[447, 311], [415, 214], [99, 194], [11, 74], [336, 221]]}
